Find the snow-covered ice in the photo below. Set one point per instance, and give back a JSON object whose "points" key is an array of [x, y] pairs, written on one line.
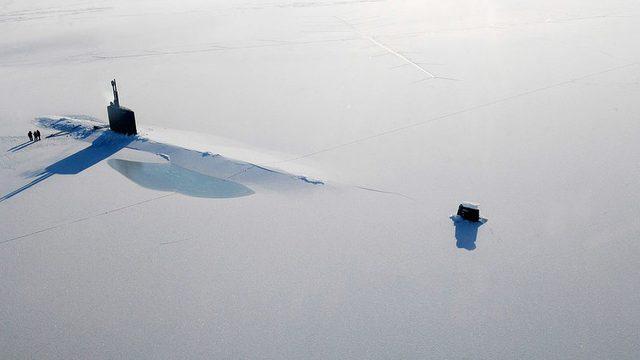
{"points": [[289, 193]]}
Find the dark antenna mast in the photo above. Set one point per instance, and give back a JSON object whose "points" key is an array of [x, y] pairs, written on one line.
{"points": [[116, 101]]}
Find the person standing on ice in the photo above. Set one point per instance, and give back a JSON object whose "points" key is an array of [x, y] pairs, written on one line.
{"points": [[30, 136], [38, 135]]}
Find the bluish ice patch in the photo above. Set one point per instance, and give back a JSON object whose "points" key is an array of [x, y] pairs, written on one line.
{"points": [[169, 177]]}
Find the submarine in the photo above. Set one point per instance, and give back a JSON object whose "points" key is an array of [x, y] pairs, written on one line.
{"points": [[121, 119]]}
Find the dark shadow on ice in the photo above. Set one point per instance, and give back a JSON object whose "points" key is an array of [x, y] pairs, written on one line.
{"points": [[21, 146], [169, 177], [61, 133], [101, 148], [466, 232]]}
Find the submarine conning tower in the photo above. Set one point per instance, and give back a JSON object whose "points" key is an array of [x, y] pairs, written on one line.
{"points": [[121, 119]]}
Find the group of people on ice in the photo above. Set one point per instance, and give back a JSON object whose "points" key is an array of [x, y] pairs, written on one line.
{"points": [[34, 136]]}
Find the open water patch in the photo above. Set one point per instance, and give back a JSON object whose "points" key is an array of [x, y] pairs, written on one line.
{"points": [[169, 177]]}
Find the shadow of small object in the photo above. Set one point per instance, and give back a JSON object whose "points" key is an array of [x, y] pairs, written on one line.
{"points": [[101, 148], [466, 232], [62, 133], [172, 178], [21, 146]]}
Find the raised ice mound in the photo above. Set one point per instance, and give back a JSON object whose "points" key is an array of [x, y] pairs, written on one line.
{"points": [[203, 162]]}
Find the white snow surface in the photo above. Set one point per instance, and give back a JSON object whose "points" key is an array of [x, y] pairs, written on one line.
{"points": [[471, 205], [207, 235]]}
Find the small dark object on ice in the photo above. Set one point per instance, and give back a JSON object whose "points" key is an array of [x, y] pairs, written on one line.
{"points": [[469, 211]]}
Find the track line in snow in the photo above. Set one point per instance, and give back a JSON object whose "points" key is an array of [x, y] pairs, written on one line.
{"points": [[402, 57], [240, 172], [455, 113], [86, 218], [389, 50], [263, 44], [174, 242], [386, 192]]}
